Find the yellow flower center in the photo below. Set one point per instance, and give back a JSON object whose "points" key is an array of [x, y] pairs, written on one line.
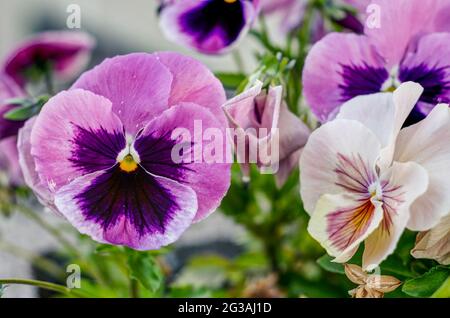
{"points": [[128, 164], [230, 1]]}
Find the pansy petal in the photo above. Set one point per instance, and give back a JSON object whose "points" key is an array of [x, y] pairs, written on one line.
{"points": [[435, 243], [9, 161], [429, 65], [384, 114], [28, 166], [341, 222], [427, 144], [137, 84], [194, 83], [67, 51], [401, 23], [286, 166], [138, 210], [401, 185], [210, 27], [293, 132], [240, 109], [75, 133], [331, 164], [338, 68], [208, 176]]}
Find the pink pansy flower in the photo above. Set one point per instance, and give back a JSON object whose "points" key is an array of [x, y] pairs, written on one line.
{"points": [[8, 130], [208, 26], [363, 178], [65, 52], [273, 134], [101, 152], [400, 48]]}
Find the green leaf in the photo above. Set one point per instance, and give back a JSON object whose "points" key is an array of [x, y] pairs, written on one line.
{"points": [[230, 80], [26, 108], [326, 263], [189, 292], [144, 269], [20, 113], [394, 265], [20, 101], [443, 291], [427, 284]]}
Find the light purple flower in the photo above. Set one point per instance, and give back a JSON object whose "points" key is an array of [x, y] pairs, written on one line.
{"points": [[402, 48], [208, 26], [264, 120], [8, 131], [65, 52], [103, 150]]}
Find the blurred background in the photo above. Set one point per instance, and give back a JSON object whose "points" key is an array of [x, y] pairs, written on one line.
{"points": [[120, 27]]}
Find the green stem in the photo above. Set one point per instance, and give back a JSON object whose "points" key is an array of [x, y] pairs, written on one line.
{"points": [[134, 288], [49, 81], [44, 285], [239, 61]]}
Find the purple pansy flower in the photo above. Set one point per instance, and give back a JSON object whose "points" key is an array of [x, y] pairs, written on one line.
{"points": [[208, 26], [402, 48], [66, 52], [8, 131], [102, 151]]}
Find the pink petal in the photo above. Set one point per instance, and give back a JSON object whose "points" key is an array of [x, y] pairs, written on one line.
{"points": [[138, 86]]}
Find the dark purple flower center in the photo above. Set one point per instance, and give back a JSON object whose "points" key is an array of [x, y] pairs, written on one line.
{"points": [[137, 196], [436, 83], [214, 17], [127, 188], [361, 80]]}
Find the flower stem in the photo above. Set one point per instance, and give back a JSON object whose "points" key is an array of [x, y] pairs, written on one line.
{"points": [[237, 57], [49, 81], [134, 288], [44, 285]]}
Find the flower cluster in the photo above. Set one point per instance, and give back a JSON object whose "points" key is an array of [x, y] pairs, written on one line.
{"points": [[351, 119]]}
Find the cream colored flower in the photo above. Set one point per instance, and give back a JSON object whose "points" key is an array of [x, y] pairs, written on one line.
{"points": [[435, 243]]}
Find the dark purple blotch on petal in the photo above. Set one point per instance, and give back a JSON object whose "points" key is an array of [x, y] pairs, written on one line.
{"points": [[213, 15], [361, 80], [96, 150], [436, 83], [136, 196], [155, 153]]}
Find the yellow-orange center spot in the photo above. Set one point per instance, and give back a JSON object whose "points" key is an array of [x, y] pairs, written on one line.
{"points": [[128, 164], [230, 1]]}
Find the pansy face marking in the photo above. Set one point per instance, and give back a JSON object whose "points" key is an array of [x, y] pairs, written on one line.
{"points": [[356, 177], [209, 26]]}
